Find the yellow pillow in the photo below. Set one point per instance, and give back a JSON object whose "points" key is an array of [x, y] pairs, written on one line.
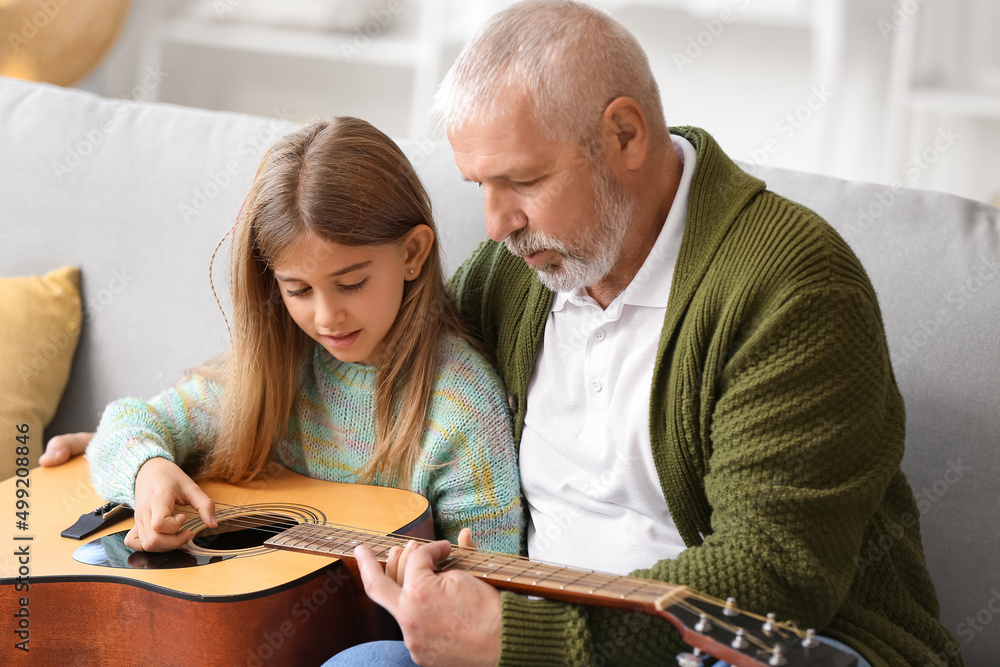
{"points": [[40, 319]]}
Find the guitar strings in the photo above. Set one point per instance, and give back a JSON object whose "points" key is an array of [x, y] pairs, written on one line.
{"points": [[267, 520]]}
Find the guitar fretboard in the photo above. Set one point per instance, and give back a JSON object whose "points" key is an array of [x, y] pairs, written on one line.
{"points": [[712, 625], [500, 570]]}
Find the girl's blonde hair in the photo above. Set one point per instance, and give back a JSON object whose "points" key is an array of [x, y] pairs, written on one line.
{"points": [[346, 182]]}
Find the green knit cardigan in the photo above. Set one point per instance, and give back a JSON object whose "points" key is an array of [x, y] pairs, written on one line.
{"points": [[777, 433]]}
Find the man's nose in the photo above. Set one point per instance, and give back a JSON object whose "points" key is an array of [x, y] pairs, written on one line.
{"points": [[503, 214]]}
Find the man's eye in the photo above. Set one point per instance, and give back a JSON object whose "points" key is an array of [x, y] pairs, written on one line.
{"points": [[355, 287], [298, 292]]}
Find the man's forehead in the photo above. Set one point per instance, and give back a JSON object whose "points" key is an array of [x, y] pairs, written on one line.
{"points": [[505, 144], [501, 154]]}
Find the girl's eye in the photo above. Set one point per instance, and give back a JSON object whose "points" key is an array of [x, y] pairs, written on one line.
{"points": [[355, 287], [298, 292]]}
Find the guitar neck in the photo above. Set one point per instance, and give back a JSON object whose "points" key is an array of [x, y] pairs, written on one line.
{"points": [[714, 626], [502, 571]]}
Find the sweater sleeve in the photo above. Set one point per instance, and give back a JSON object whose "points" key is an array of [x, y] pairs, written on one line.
{"points": [[173, 425], [805, 426], [474, 481]]}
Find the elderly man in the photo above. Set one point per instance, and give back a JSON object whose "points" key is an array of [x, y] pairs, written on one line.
{"points": [[698, 373]]}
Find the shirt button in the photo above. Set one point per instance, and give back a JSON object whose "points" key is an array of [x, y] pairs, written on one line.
{"points": [[595, 385], [600, 335]]}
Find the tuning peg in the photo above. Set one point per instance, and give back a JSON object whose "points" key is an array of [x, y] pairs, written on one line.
{"points": [[769, 624], [740, 640], [810, 641], [703, 625], [777, 656], [730, 608], [689, 660]]}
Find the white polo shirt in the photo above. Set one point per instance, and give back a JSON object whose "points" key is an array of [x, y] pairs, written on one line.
{"points": [[586, 458]]}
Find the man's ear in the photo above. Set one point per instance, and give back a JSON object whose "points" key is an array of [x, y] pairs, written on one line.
{"points": [[625, 132], [417, 246]]}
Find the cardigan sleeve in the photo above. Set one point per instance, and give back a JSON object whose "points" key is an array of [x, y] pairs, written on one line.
{"points": [[173, 425], [468, 289], [805, 424]]}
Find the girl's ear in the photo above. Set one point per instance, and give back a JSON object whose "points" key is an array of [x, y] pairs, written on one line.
{"points": [[417, 245]]}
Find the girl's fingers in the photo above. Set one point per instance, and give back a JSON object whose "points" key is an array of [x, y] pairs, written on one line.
{"points": [[132, 539]]}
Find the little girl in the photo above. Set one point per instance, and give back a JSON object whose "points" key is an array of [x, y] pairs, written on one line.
{"points": [[348, 362]]}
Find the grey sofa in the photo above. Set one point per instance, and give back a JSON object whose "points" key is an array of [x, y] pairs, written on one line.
{"points": [[138, 195]]}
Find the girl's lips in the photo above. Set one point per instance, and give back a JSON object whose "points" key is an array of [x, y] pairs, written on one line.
{"points": [[343, 341]]}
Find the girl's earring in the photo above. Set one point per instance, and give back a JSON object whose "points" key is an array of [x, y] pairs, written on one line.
{"points": [[411, 271]]}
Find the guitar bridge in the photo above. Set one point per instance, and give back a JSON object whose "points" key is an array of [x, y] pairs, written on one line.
{"points": [[102, 517]]}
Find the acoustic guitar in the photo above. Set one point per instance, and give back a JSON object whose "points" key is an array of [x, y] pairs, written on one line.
{"points": [[275, 583]]}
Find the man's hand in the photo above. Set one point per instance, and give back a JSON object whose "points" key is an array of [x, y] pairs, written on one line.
{"points": [[62, 448], [395, 564], [159, 486], [447, 619]]}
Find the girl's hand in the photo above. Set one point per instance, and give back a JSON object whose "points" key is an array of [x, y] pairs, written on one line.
{"points": [[395, 564], [62, 448], [159, 486]]}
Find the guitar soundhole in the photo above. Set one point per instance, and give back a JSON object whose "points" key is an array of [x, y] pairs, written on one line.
{"points": [[243, 532]]}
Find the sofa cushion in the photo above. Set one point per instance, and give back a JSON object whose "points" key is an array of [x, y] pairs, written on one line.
{"points": [[39, 326], [140, 194]]}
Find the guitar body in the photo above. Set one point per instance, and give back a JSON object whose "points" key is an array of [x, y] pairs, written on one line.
{"points": [[244, 605]]}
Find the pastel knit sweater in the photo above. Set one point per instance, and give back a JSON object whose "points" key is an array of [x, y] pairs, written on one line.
{"points": [[776, 427], [331, 435]]}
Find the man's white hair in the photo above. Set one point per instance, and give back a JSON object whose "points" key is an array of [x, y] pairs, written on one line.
{"points": [[567, 59]]}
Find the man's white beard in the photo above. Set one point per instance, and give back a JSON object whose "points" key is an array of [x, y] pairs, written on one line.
{"points": [[589, 262]]}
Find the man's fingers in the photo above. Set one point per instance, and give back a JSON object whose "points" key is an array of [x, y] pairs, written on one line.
{"points": [[392, 563], [380, 588], [54, 454], [465, 539], [61, 448], [422, 560], [400, 573]]}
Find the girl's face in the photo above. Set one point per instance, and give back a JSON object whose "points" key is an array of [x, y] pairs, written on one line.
{"points": [[347, 297]]}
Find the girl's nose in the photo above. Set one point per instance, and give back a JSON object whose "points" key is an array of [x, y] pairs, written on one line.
{"points": [[329, 314]]}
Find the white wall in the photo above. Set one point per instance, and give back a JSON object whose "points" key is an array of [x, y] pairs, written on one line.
{"points": [[750, 84]]}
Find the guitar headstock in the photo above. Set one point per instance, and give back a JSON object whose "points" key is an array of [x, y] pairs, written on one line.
{"points": [[743, 639]]}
